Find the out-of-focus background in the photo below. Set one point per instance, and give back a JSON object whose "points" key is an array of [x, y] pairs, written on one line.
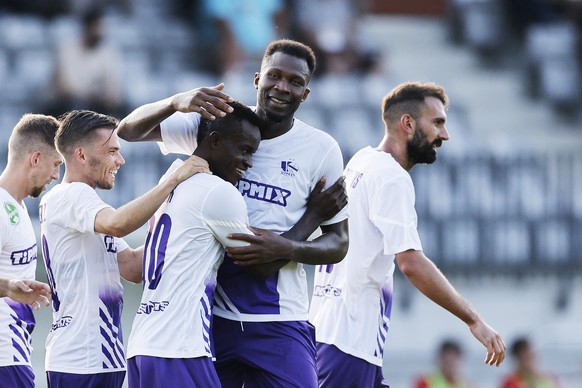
{"points": [[500, 211]]}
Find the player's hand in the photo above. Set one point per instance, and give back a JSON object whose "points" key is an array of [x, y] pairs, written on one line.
{"points": [[327, 203], [491, 340], [265, 246], [193, 165], [210, 102], [30, 292]]}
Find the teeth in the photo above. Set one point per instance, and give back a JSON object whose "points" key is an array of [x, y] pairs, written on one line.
{"points": [[278, 100]]}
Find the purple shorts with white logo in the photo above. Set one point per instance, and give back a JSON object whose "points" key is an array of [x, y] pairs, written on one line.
{"points": [[153, 372], [17, 376], [264, 354], [339, 369], [96, 380]]}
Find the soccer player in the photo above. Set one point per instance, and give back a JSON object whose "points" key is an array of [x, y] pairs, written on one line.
{"points": [[260, 328], [33, 162], [170, 338], [351, 301], [85, 255]]}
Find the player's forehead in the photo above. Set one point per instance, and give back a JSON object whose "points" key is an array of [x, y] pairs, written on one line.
{"points": [[283, 62]]}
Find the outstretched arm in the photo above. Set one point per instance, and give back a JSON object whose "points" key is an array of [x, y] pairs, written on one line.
{"points": [[429, 280], [132, 215], [143, 124], [25, 291], [268, 252]]}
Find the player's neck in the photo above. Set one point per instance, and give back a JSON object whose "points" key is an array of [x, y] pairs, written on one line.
{"points": [[15, 184]]}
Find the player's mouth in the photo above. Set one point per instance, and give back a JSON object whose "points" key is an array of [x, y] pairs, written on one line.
{"points": [[240, 171], [278, 101]]}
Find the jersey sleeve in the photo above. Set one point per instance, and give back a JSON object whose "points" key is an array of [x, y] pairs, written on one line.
{"points": [[78, 209], [332, 168], [179, 132], [121, 244], [225, 212], [392, 212]]}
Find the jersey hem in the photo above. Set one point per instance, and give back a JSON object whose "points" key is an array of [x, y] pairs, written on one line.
{"points": [[260, 317]]}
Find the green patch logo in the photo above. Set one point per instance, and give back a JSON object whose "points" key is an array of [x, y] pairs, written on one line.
{"points": [[12, 212]]}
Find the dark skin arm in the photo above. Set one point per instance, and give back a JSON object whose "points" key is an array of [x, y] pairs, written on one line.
{"points": [[143, 124], [268, 252]]}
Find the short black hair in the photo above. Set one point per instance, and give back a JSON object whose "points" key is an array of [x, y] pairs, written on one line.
{"points": [[228, 122], [77, 127], [518, 346], [408, 97], [450, 345], [293, 48]]}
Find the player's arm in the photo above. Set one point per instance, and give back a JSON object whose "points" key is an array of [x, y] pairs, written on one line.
{"points": [[130, 264], [30, 292], [269, 252], [143, 124], [429, 280], [131, 216]]}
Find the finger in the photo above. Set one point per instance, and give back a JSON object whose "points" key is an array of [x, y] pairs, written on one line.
{"points": [[243, 237], [44, 300], [36, 305], [319, 185]]}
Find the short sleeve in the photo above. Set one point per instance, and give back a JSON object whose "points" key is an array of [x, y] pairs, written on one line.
{"points": [[78, 208], [225, 212], [121, 244], [179, 132], [392, 212], [332, 167]]}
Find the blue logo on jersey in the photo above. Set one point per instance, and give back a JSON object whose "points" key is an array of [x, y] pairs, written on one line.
{"points": [[263, 192], [327, 290], [150, 307], [24, 256], [63, 322], [288, 168], [110, 244]]}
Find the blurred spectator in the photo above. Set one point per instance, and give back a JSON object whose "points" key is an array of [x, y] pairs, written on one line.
{"points": [[87, 72], [243, 30], [449, 372], [331, 27], [526, 373]]}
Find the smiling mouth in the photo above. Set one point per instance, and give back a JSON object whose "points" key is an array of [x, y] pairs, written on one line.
{"points": [[240, 171], [278, 100]]}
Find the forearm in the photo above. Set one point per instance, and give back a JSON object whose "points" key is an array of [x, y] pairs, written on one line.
{"points": [[429, 280], [130, 264], [136, 213], [139, 125], [4, 286]]}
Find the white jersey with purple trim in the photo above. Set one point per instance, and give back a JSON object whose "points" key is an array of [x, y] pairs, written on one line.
{"points": [[276, 189], [352, 300], [82, 270], [183, 250], [18, 253]]}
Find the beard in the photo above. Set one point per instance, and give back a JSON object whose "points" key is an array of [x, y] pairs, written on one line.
{"points": [[420, 150], [36, 191], [100, 183]]}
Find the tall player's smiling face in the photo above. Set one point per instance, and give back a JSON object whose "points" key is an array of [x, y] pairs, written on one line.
{"points": [[281, 86], [104, 159], [232, 151]]}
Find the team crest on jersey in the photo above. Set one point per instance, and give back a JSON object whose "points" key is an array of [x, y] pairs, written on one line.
{"points": [[12, 212], [289, 168]]}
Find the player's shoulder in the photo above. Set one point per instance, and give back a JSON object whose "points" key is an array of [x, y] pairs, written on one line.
{"points": [[311, 133]]}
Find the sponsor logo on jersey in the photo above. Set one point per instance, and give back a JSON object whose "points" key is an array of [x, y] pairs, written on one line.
{"points": [[353, 177], [150, 307], [263, 192], [288, 168], [24, 256], [12, 212], [327, 290], [63, 322]]}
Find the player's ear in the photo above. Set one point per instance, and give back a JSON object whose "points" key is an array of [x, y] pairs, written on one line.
{"points": [[305, 94], [35, 158], [408, 124], [79, 154], [214, 139], [256, 80]]}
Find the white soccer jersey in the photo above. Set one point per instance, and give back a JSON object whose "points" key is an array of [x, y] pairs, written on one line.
{"points": [[82, 269], [183, 250], [18, 261], [351, 302], [276, 189]]}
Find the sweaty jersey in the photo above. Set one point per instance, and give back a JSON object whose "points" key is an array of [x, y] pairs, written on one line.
{"points": [[184, 248], [82, 270], [276, 189], [351, 302], [17, 261]]}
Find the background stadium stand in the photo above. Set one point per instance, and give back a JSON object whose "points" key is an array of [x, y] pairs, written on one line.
{"points": [[501, 210]]}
